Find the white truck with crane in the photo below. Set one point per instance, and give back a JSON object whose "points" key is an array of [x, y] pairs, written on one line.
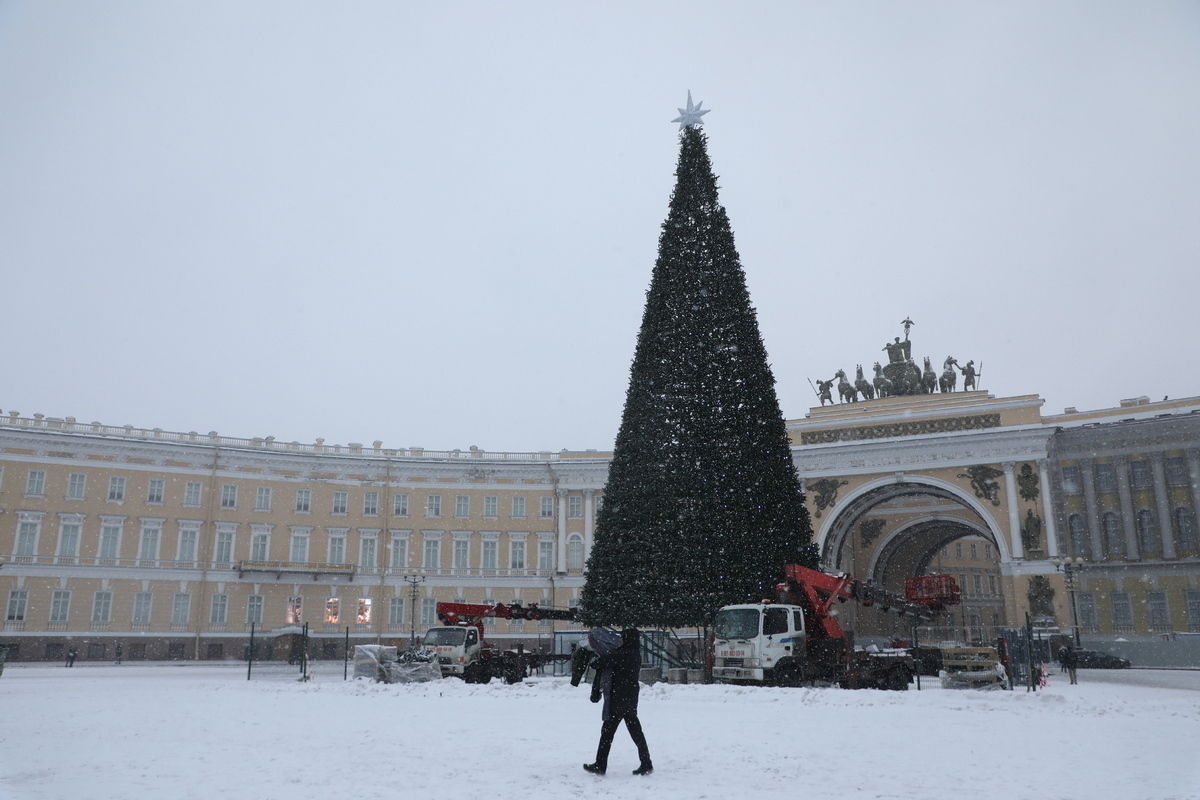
{"points": [[798, 640], [462, 650]]}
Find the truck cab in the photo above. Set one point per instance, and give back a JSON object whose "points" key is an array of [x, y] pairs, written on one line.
{"points": [[456, 647], [759, 643]]}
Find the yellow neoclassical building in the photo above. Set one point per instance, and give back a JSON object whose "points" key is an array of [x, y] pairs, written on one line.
{"points": [[171, 545]]}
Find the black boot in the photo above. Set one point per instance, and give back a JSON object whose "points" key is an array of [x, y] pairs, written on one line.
{"points": [[595, 769], [645, 769]]}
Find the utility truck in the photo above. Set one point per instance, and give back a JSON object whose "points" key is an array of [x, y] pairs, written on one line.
{"points": [[797, 639], [462, 650]]}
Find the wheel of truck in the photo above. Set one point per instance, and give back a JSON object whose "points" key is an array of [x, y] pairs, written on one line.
{"points": [[897, 679], [788, 675]]}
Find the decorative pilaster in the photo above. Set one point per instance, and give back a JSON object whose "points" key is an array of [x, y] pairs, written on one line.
{"points": [[1193, 460], [562, 529], [1048, 510], [589, 521], [1088, 475], [1162, 498], [1128, 518]]}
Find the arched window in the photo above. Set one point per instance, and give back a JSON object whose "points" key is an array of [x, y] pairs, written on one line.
{"points": [[1114, 537], [1079, 536], [1185, 528], [575, 552], [1147, 532]]}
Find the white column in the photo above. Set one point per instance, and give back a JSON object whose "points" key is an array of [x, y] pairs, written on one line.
{"points": [[562, 529], [1050, 527], [1014, 514], [589, 521]]}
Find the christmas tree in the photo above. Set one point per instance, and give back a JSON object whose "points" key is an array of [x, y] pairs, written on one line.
{"points": [[702, 506]]}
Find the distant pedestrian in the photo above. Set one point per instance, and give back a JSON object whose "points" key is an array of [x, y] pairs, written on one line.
{"points": [[621, 667], [118, 654], [71, 654], [1071, 662]]}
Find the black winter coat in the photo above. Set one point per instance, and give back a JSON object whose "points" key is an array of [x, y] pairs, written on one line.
{"points": [[624, 664]]}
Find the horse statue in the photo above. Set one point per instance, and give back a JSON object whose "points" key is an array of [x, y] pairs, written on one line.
{"points": [[863, 386], [846, 392], [949, 379], [928, 378], [883, 387]]}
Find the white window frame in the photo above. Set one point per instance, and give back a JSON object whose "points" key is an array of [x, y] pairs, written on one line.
{"points": [[433, 506], [370, 504], [431, 551], [181, 609], [149, 541], [35, 483], [395, 611], [517, 552], [143, 607], [303, 501], [77, 486], [575, 554], [218, 613], [398, 557], [491, 506], [429, 611], [574, 506], [116, 489], [109, 546], [260, 542], [60, 606], [254, 609], [461, 557], [518, 506], [368, 549], [189, 539], [545, 554], [262, 498], [462, 505], [229, 493], [102, 607], [335, 551], [546, 510], [226, 541], [193, 493], [156, 491], [70, 532], [400, 505], [298, 545], [18, 605], [340, 504]]}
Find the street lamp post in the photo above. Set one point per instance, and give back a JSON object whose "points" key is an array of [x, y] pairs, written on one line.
{"points": [[413, 581], [1070, 569]]}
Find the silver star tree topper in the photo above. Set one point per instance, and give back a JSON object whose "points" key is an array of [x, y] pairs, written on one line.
{"points": [[690, 117]]}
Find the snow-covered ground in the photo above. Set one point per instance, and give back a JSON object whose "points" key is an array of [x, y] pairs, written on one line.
{"points": [[203, 731]]}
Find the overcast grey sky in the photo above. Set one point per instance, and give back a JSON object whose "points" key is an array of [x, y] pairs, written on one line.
{"points": [[434, 223]]}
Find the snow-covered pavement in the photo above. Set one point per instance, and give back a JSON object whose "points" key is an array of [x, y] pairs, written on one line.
{"points": [[204, 731]]}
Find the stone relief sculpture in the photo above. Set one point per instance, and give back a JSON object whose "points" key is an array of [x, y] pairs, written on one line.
{"points": [[983, 482], [1031, 532], [870, 530], [826, 491]]}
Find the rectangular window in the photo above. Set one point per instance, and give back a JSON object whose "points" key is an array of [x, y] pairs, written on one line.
{"points": [[295, 610], [1122, 612], [18, 599], [428, 611], [299, 549], [516, 555], [191, 494], [76, 486], [371, 504], [260, 546], [491, 504], [490, 549], [974, 551], [433, 554], [1177, 474], [27, 536], [958, 550], [60, 605], [363, 617], [303, 500], [978, 584], [575, 507], [400, 505], [187, 544], [219, 611], [102, 608], [224, 550], [110, 541], [1106, 478], [254, 609], [337, 548], [433, 505], [462, 549], [262, 498], [141, 608], [396, 611], [367, 552], [68, 540], [1140, 474], [148, 549], [991, 584], [116, 489], [332, 611], [181, 608], [545, 555], [1071, 482], [1086, 604], [462, 505], [340, 501], [1156, 603], [155, 490], [518, 507], [229, 495], [1193, 609], [546, 508], [35, 484], [399, 552]]}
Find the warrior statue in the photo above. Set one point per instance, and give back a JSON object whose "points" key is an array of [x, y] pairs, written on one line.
{"points": [[883, 387], [968, 376], [825, 387], [863, 386], [846, 392]]}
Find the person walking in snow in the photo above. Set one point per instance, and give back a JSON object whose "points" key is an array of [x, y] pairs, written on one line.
{"points": [[71, 654], [1071, 662], [620, 668], [118, 654]]}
